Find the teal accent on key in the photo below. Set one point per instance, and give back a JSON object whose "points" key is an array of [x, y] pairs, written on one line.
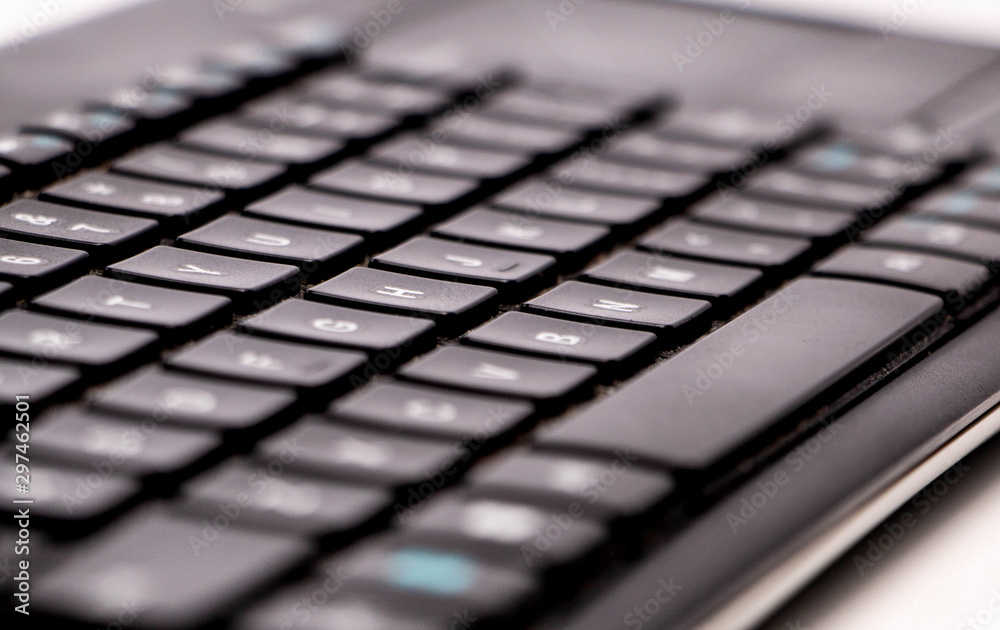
{"points": [[961, 202], [431, 571], [836, 157]]}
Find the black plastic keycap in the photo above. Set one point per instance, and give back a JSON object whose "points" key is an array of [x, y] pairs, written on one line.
{"points": [[190, 576], [394, 184], [32, 268], [183, 166], [724, 245], [500, 268], [768, 362], [172, 205], [174, 314], [32, 156], [659, 152], [556, 480], [772, 217], [63, 340], [314, 119], [242, 280], [730, 127], [937, 274], [336, 451], [246, 358], [21, 378], [61, 494], [196, 401], [261, 145], [588, 302], [388, 98], [426, 155], [791, 187], [416, 408], [126, 446], [541, 108], [481, 131], [535, 198], [293, 504], [499, 373], [331, 325], [939, 237], [104, 235], [666, 274], [844, 160], [549, 337], [961, 206], [630, 179], [95, 127], [493, 227], [405, 294], [326, 210], [317, 253]]}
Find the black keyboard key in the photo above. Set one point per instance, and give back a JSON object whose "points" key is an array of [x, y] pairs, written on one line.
{"points": [[658, 152], [314, 119], [329, 325], [67, 495], [606, 488], [336, 451], [959, 205], [174, 206], [551, 199], [309, 39], [416, 408], [822, 329], [406, 295], [144, 104], [284, 503], [537, 107], [500, 268], [7, 186], [198, 82], [448, 579], [343, 609], [609, 348], [32, 155], [844, 160], [93, 127], [563, 239], [506, 533], [499, 373], [106, 236], [654, 272], [480, 131], [61, 340], [108, 443], [785, 185], [398, 99], [921, 271], [182, 581], [249, 359], [629, 179], [32, 268], [939, 237], [174, 314], [582, 301], [720, 244], [731, 128], [774, 218], [244, 281], [183, 166], [325, 210], [250, 59], [264, 145], [317, 253], [386, 182], [18, 378], [194, 400], [984, 179], [425, 155]]}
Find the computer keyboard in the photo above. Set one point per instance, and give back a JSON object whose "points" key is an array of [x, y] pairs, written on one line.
{"points": [[339, 345]]}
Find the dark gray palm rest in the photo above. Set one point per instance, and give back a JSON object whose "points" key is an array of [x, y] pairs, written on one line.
{"points": [[731, 545]]}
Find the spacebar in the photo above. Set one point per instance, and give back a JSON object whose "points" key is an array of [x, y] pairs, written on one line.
{"points": [[775, 513], [701, 405]]}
